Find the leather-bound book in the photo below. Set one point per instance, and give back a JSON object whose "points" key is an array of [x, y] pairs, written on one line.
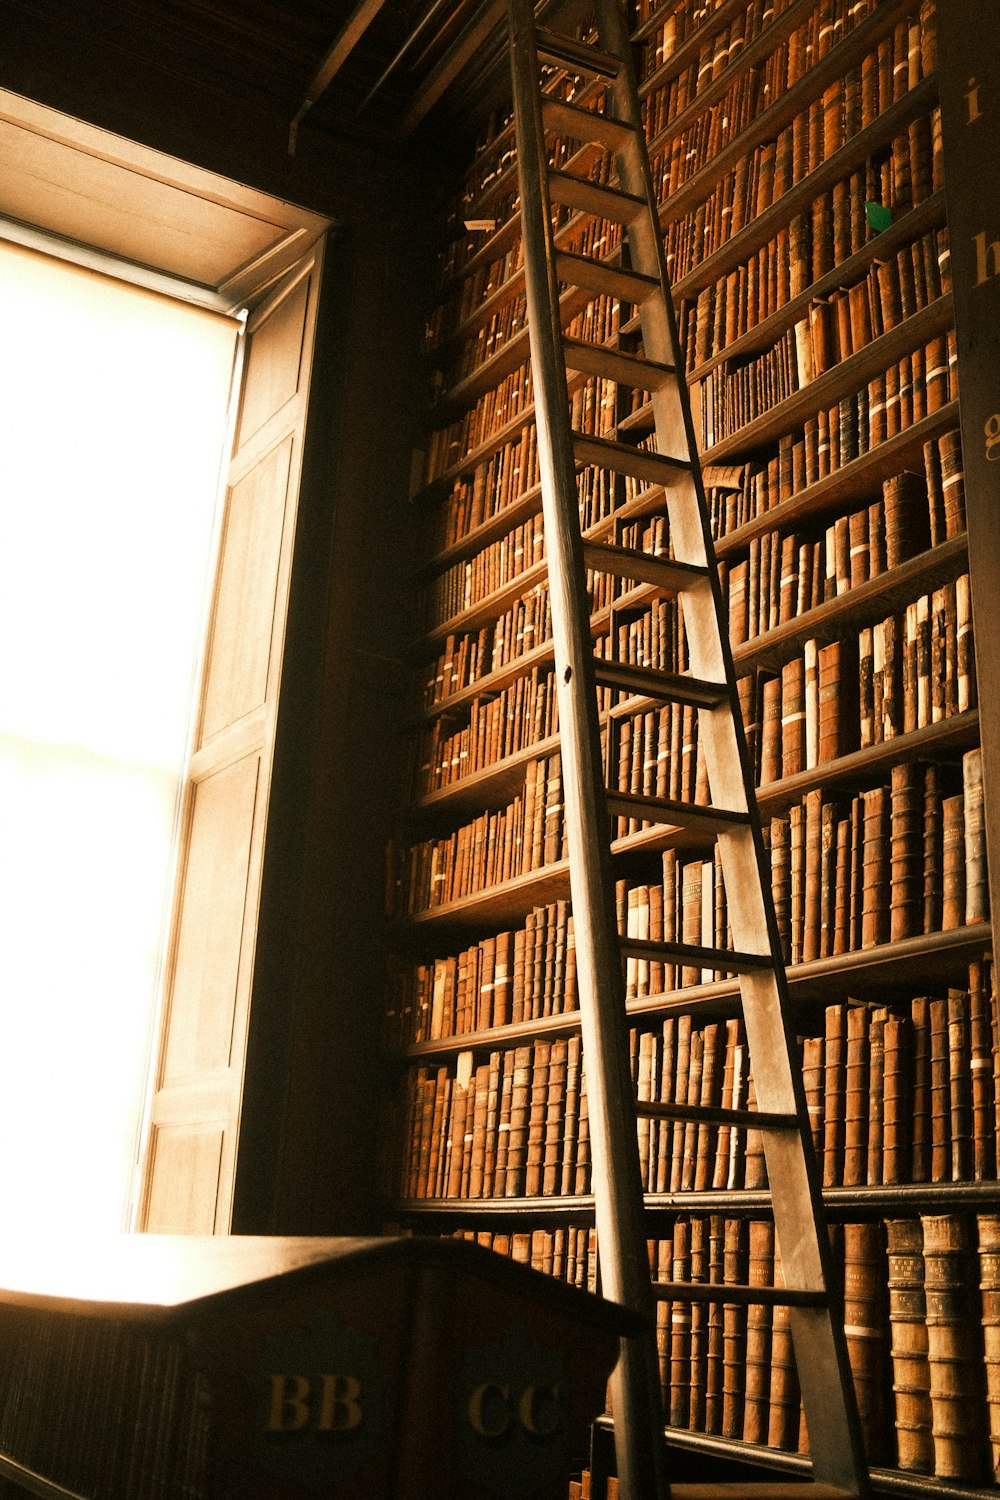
{"points": [[911, 1377]]}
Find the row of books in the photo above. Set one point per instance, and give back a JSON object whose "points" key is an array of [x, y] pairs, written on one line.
{"points": [[469, 657], [512, 1126], [592, 402], [920, 1306], [907, 1095], [903, 673], [909, 670], [720, 53], [796, 465], [569, 1252], [897, 860], [891, 402], [526, 624], [786, 574], [483, 327], [901, 1094], [904, 177], [497, 407], [814, 242], [895, 64], [482, 331], [836, 327], [679, 1063], [902, 858], [488, 488], [474, 579], [898, 1094], [834, 118], [485, 231], [783, 578], [805, 251], [683, 20], [716, 51], [527, 834], [506, 978], [519, 717]]}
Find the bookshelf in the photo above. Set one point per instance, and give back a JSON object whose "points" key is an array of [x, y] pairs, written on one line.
{"points": [[798, 148]]}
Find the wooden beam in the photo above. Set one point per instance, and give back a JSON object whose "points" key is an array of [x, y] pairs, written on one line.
{"points": [[466, 45], [351, 33]]}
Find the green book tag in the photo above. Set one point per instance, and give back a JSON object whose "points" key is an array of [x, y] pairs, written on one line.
{"points": [[878, 216]]}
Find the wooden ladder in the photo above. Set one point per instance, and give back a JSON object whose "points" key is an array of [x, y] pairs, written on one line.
{"points": [[611, 119]]}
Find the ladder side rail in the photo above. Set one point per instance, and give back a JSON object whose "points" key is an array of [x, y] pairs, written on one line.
{"points": [[619, 1205], [819, 1340]]}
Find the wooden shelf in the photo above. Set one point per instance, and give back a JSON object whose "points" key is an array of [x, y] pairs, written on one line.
{"points": [[794, 101], [926, 323], [839, 1202], [928, 215], [843, 379], [884, 1481], [847, 483], [689, 48], [514, 351], [891, 973], [884, 973], [947, 737], [767, 39], [492, 785], [852, 482], [859, 478], [863, 604], [759, 230]]}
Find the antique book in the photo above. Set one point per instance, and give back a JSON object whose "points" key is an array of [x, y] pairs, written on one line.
{"points": [[867, 1330], [953, 1347], [757, 1392], [989, 1292], [911, 1378]]}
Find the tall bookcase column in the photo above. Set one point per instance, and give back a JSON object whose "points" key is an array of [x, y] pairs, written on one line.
{"points": [[969, 70], [687, 573]]}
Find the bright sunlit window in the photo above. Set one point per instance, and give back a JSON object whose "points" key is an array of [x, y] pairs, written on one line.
{"points": [[113, 406]]}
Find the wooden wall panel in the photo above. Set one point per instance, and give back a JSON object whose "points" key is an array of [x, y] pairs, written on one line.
{"points": [[242, 632], [185, 1163], [274, 372], [211, 929]]}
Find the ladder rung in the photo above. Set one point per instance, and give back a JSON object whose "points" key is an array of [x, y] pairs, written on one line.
{"points": [[579, 56], [615, 364], [723, 960], [599, 276], [623, 458], [668, 687], [704, 820], [670, 577], [594, 198], [585, 124], [746, 1296], [710, 1114]]}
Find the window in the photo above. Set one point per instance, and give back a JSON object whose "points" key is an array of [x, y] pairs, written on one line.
{"points": [[114, 403], [159, 224]]}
